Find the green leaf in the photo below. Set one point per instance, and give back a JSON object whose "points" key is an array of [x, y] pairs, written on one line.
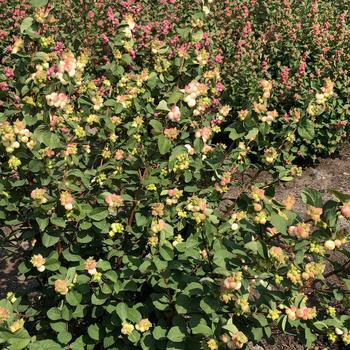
{"points": [[99, 299], [252, 245], [17, 341], [184, 32], [202, 329], [38, 3], [330, 213], [50, 238], [160, 302], [103, 265], [257, 333], [156, 125], [103, 226], [164, 144], [54, 314], [310, 337], [197, 36], [35, 165], [64, 337], [98, 214], [82, 237], [85, 225], [193, 288], [84, 101], [110, 103], [112, 276], [48, 138], [74, 298], [42, 222], [134, 315], [234, 135], [24, 267], [261, 319], [184, 304], [312, 197], [347, 283], [284, 320], [306, 130], [252, 134], [279, 222], [58, 221], [209, 305], [230, 327], [341, 196], [122, 311], [268, 332], [18, 344], [26, 24], [94, 332], [221, 256], [159, 333], [140, 220], [163, 106], [69, 256], [152, 80], [174, 97], [66, 313], [176, 335], [166, 253], [45, 345], [134, 337]]}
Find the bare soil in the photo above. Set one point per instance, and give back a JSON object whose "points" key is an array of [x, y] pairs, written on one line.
{"points": [[10, 281], [326, 174]]}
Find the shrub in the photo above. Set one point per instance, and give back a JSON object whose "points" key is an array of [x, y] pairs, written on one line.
{"points": [[111, 178], [295, 47], [250, 41]]}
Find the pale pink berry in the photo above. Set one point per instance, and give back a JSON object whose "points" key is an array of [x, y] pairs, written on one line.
{"points": [[59, 100], [119, 154], [61, 287], [345, 210], [90, 266], [67, 200], [175, 114], [38, 261], [114, 201]]}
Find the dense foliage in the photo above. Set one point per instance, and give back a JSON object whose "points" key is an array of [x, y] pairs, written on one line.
{"points": [[122, 127], [297, 45]]}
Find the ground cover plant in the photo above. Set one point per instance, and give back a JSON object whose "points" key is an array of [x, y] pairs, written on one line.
{"points": [[115, 161]]}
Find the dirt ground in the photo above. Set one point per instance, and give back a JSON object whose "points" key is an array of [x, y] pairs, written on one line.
{"points": [[9, 280], [325, 174]]}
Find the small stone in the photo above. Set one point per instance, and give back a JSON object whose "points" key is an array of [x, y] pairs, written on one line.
{"points": [[317, 174]]}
